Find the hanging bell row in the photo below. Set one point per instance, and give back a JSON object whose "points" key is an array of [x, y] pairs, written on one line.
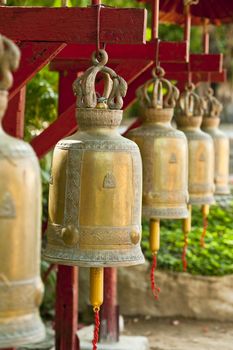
{"points": [[189, 115], [210, 125], [21, 289], [163, 149], [96, 180]]}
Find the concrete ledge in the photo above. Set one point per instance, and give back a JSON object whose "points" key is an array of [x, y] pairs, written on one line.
{"points": [[125, 343]]}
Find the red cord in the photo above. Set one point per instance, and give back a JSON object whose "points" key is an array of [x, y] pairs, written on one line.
{"points": [[184, 260], [155, 289], [205, 225], [96, 329]]}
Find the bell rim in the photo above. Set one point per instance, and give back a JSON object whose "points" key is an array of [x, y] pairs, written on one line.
{"points": [[161, 213], [69, 262], [23, 336]]}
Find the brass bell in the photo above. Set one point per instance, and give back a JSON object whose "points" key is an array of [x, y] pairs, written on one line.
{"points": [[95, 189], [21, 288], [201, 151], [210, 125], [164, 151]]}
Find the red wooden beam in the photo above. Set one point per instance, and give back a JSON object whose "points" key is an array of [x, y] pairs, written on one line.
{"points": [[73, 25], [168, 51], [34, 56], [214, 77], [198, 63], [66, 123], [13, 121]]}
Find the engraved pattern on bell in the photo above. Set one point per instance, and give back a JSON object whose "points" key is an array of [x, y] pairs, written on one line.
{"points": [[163, 149], [21, 288], [97, 181], [210, 125], [190, 109]]}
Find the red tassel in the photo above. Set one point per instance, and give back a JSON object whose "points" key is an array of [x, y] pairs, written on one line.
{"points": [[205, 225], [184, 260], [96, 329], [155, 289]]}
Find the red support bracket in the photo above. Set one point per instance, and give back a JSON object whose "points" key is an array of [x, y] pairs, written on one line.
{"points": [[34, 56]]}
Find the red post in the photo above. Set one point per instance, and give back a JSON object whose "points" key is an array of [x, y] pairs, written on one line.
{"points": [[67, 308], [109, 320], [66, 322]]}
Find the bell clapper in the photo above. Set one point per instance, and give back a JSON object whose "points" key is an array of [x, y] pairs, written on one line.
{"points": [[187, 222], [154, 246], [96, 298], [205, 212]]}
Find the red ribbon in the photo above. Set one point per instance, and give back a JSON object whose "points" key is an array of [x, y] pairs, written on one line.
{"points": [[184, 260], [155, 289], [96, 329]]}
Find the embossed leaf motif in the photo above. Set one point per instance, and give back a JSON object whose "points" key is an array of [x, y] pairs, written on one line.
{"points": [[115, 87]]}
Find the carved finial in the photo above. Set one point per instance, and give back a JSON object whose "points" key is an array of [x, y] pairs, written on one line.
{"points": [[115, 87], [212, 107], [9, 61], [163, 94], [189, 103]]}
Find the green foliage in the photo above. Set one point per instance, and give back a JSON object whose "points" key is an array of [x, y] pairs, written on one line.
{"points": [[215, 259], [41, 102]]}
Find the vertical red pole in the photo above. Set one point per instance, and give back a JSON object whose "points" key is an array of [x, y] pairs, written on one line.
{"points": [[155, 19], [206, 38], [66, 323], [13, 121], [109, 326], [187, 35]]}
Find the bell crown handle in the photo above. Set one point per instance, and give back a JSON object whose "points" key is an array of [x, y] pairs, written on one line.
{"points": [[213, 107], [115, 87], [9, 62], [158, 92], [190, 104]]}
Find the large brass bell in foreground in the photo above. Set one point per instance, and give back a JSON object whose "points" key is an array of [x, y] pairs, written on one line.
{"points": [[164, 151], [95, 189], [21, 288], [201, 149], [210, 124]]}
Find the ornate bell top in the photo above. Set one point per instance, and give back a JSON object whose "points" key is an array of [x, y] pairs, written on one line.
{"points": [[9, 61], [190, 108], [212, 110], [93, 108], [157, 97]]}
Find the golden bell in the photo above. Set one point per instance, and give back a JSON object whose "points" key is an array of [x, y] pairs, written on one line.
{"points": [[201, 150], [210, 124], [21, 288], [164, 151], [96, 180]]}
